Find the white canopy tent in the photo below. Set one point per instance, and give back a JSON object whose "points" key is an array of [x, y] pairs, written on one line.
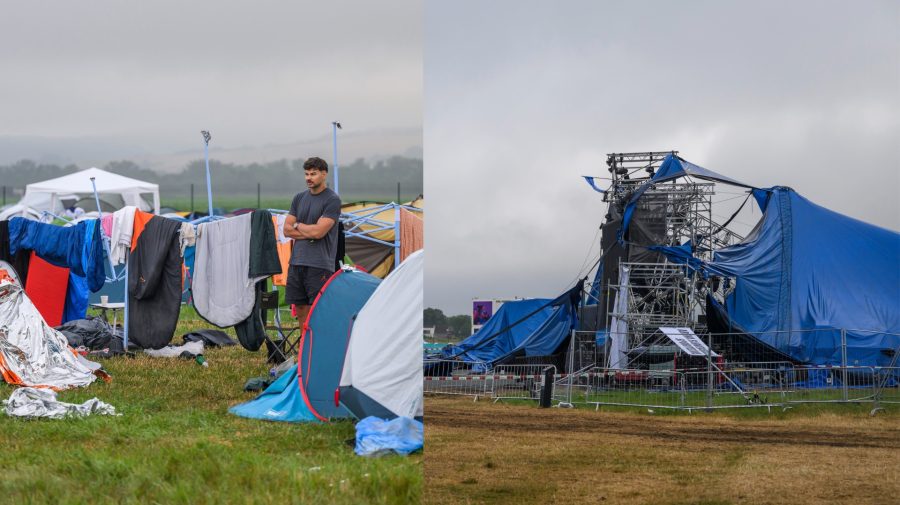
{"points": [[47, 195]]}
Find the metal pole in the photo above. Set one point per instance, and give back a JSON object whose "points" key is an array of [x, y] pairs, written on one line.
{"points": [[396, 235], [192, 198], [398, 192], [334, 128], [709, 382], [206, 138], [845, 390], [125, 318], [105, 239]]}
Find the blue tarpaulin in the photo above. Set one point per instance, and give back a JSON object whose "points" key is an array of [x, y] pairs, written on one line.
{"points": [[281, 401], [672, 168], [377, 437], [547, 325], [804, 274], [805, 267]]}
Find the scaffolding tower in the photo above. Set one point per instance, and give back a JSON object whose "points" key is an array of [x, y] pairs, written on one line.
{"points": [[651, 291]]}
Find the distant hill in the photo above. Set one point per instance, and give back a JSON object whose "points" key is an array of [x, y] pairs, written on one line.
{"points": [[284, 177]]}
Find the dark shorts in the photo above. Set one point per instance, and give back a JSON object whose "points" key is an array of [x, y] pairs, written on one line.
{"points": [[304, 284]]}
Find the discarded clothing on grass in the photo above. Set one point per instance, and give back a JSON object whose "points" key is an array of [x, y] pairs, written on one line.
{"points": [[154, 285], [378, 437], [213, 338], [222, 289], [188, 350], [121, 234], [19, 260], [264, 262], [93, 334], [78, 248], [31, 352], [34, 402]]}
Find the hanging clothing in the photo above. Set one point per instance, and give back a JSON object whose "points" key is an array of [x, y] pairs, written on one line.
{"points": [[154, 284], [121, 233], [107, 222], [19, 261], [412, 233], [283, 246], [187, 237], [263, 263], [46, 288], [141, 219], [222, 289], [78, 248]]}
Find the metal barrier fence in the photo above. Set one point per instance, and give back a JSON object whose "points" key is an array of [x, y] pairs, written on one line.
{"points": [[519, 382], [734, 373], [452, 377]]}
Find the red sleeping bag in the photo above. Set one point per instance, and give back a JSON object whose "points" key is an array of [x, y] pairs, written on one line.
{"points": [[46, 287]]}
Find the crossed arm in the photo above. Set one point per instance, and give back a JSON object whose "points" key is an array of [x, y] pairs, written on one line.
{"points": [[295, 230]]}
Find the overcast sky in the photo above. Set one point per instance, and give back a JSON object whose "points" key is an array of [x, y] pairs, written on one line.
{"points": [[146, 77], [523, 97]]}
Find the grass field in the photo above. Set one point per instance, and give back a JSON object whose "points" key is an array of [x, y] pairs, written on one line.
{"points": [[176, 443], [485, 453]]}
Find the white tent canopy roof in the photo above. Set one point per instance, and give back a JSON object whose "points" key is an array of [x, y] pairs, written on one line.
{"points": [[80, 183]]}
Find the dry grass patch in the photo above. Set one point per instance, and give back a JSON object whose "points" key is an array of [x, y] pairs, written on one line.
{"points": [[483, 453]]}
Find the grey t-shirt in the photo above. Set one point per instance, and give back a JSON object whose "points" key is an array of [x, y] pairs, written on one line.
{"points": [[308, 208]]}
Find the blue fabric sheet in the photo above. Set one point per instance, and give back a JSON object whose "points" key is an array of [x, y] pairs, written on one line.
{"points": [[377, 437], [538, 335], [281, 401], [806, 272], [671, 168], [78, 248]]}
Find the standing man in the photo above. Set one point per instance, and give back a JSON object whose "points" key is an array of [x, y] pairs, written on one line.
{"points": [[311, 222]]}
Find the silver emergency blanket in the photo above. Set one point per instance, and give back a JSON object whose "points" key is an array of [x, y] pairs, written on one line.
{"points": [[34, 402], [223, 291], [31, 352]]}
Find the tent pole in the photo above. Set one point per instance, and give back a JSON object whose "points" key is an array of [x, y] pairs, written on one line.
{"points": [[334, 128], [396, 235], [104, 238], [125, 310], [206, 138]]}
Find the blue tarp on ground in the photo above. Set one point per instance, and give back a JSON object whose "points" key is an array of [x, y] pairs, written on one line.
{"points": [[547, 325]]}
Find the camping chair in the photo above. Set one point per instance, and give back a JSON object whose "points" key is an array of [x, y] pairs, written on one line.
{"points": [[281, 341]]}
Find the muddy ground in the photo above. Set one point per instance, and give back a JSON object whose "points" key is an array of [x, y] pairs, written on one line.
{"points": [[496, 453]]}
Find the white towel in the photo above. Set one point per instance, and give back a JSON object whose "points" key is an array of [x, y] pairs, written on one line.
{"points": [[187, 237], [122, 231]]}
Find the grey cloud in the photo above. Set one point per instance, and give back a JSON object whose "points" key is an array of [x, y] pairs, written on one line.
{"points": [[523, 97]]}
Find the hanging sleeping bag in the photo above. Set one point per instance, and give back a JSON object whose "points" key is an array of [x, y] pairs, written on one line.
{"points": [[154, 284]]}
